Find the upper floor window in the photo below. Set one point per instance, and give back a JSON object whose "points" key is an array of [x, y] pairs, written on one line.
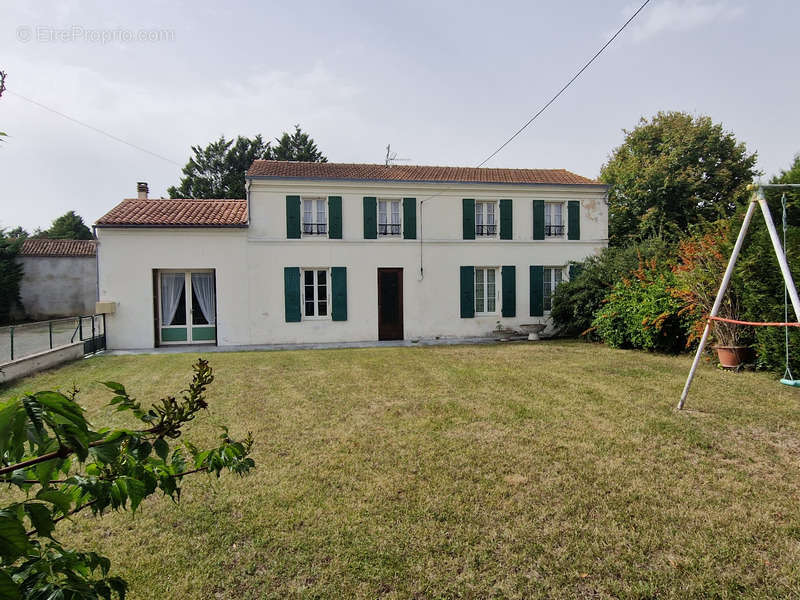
{"points": [[315, 216], [315, 293], [554, 220], [485, 290], [552, 279], [485, 218], [389, 217]]}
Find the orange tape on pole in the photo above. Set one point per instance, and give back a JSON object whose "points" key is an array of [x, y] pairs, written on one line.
{"points": [[754, 323]]}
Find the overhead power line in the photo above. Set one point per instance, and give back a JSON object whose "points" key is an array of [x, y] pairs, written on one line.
{"points": [[92, 127], [563, 89]]}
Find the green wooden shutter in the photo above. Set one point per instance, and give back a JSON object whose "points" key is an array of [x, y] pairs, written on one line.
{"points": [[575, 270], [573, 220], [291, 293], [538, 219], [506, 220], [469, 219], [370, 218], [509, 277], [339, 291], [335, 217], [409, 218], [537, 291], [467, 292], [293, 217]]}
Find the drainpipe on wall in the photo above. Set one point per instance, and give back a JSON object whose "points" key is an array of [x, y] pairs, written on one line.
{"points": [[247, 182], [96, 265]]}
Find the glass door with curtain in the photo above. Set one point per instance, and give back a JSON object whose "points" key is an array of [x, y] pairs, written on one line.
{"points": [[187, 306]]}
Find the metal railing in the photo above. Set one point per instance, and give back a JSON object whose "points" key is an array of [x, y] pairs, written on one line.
{"points": [[24, 339], [485, 229], [554, 230], [389, 228], [315, 228]]}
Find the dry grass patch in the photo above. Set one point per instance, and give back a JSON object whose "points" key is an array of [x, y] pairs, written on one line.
{"points": [[552, 470]]}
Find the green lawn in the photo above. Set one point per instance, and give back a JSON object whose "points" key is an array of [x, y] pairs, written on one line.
{"points": [[552, 470]]}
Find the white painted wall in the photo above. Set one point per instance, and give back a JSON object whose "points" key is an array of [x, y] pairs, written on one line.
{"points": [[128, 257], [249, 263]]}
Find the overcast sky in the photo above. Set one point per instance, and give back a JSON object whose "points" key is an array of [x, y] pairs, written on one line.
{"points": [[444, 82]]}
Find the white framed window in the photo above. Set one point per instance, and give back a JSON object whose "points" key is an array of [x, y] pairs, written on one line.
{"points": [[554, 219], [486, 290], [315, 216], [316, 293], [389, 217], [485, 219], [553, 276]]}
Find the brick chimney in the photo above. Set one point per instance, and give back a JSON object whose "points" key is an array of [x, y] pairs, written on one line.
{"points": [[141, 188]]}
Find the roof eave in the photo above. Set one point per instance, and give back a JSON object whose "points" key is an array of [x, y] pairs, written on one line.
{"points": [[413, 181], [167, 226]]}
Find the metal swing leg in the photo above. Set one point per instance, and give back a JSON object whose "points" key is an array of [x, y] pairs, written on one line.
{"points": [[718, 301]]}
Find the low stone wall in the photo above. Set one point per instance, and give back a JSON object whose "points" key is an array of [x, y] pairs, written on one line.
{"points": [[38, 362]]}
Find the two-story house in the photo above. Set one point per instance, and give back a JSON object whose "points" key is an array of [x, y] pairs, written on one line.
{"points": [[326, 252]]}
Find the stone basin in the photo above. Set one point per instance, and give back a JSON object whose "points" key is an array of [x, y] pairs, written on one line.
{"points": [[533, 330]]}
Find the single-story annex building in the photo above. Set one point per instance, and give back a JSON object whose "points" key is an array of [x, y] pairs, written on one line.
{"points": [[327, 252], [59, 278]]}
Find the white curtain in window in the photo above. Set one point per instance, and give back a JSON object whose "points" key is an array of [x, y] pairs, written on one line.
{"points": [[203, 290], [171, 288]]}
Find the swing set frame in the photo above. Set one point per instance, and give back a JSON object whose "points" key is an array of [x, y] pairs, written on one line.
{"points": [[757, 198]]}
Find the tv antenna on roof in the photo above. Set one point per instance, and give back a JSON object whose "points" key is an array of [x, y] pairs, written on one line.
{"points": [[391, 157]]}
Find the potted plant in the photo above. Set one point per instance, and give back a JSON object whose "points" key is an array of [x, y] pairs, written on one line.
{"points": [[702, 260]]}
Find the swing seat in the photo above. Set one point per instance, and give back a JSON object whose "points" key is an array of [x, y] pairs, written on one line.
{"points": [[791, 382]]}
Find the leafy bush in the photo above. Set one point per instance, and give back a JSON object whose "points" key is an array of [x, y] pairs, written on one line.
{"points": [[50, 453], [643, 312], [702, 260], [762, 282], [576, 302]]}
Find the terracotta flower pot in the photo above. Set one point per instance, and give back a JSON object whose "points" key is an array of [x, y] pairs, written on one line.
{"points": [[732, 357]]}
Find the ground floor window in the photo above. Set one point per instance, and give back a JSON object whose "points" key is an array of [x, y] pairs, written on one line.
{"points": [[316, 299], [187, 306], [485, 290], [552, 278]]}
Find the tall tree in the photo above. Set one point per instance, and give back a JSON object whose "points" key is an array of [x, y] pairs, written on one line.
{"points": [[17, 232], [671, 172], [10, 276], [217, 171], [297, 146], [69, 226]]}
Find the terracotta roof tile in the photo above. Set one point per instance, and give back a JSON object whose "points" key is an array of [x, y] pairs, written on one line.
{"points": [[44, 247], [176, 213], [412, 173]]}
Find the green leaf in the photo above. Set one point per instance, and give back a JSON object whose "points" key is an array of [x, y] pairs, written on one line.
{"points": [[13, 541], [60, 500], [162, 449], [107, 453], [41, 518], [114, 386], [136, 492], [8, 589], [44, 471]]}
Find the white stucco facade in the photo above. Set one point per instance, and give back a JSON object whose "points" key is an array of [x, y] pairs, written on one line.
{"points": [[249, 262]]}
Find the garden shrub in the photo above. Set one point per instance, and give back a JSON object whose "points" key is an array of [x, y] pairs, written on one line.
{"points": [[576, 302], [642, 311]]}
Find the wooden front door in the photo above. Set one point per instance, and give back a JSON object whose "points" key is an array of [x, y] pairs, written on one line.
{"points": [[390, 304]]}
